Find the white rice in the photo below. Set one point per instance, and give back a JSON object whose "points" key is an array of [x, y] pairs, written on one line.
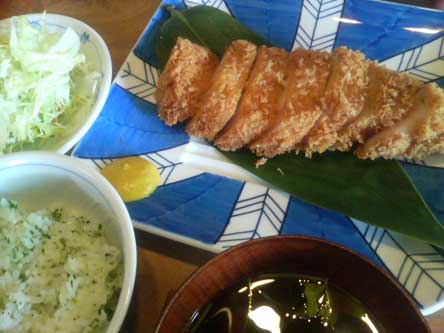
{"points": [[57, 274]]}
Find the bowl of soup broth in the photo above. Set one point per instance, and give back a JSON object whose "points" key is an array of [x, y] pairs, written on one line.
{"points": [[289, 284]]}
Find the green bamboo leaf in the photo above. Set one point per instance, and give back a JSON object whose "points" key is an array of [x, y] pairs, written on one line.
{"points": [[377, 192], [203, 25]]}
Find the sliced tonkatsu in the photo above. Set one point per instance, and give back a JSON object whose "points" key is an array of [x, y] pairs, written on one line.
{"points": [[389, 96], [274, 102], [219, 102], [186, 76], [427, 147], [416, 135], [299, 106], [257, 108], [343, 100]]}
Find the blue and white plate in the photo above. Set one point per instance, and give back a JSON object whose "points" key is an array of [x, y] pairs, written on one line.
{"points": [[207, 202]]}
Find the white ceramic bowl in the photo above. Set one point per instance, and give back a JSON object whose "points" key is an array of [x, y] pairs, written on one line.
{"points": [[97, 54], [39, 180]]}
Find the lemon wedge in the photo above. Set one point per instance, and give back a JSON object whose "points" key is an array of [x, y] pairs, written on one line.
{"points": [[134, 178]]}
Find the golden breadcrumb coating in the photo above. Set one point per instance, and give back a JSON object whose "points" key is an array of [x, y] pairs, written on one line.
{"points": [[427, 147], [186, 76], [299, 106], [416, 135], [257, 108], [389, 96], [307, 100], [343, 100], [219, 102]]}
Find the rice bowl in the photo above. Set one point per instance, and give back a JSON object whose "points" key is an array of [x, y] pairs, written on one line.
{"points": [[58, 273], [48, 181]]}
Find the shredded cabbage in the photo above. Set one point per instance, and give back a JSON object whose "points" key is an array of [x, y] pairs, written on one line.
{"points": [[43, 78], [57, 273]]}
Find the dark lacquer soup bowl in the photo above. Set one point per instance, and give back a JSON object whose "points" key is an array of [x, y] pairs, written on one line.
{"points": [[290, 283]]}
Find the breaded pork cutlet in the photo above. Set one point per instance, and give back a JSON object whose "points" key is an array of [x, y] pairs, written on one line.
{"points": [[219, 102], [426, 148], [186, 75], [343, 100], [299, 106], [416, 135], [257, 108], [389, 96]]}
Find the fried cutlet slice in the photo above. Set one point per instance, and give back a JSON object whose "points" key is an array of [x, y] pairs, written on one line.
{"points": [[219, 102], [428, 137], [186, 76], [426, 148], [299, 106], [343, 100], [416, 135], [257, 108], [389, 96]]}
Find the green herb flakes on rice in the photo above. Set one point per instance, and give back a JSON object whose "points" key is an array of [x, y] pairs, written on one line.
{"points": [[57, 273]]}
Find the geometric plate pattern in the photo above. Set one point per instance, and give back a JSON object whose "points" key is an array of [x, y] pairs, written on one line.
{"points": [[171, 170], [139, 78], [207, 202], [318, 24], [219, 4], [425, 62], [259, 212], [419, 267]]}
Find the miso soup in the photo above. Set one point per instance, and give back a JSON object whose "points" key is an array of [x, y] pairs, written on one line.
{"points": [[284, 303]]}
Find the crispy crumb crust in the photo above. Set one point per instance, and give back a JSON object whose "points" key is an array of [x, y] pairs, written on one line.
{"points": [[309, 100], [427, 147], [343, 100], [299, 106], [219, 102], [186, 75], [257, 108], [415, 136], [389, 96]]}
